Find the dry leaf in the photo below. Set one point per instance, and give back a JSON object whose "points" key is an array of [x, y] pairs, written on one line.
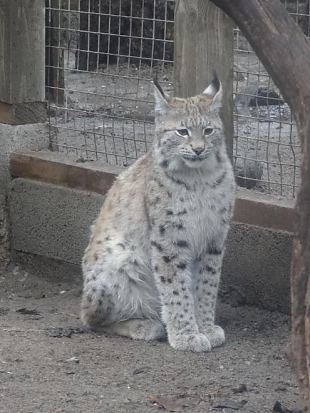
{"points": [[167, 403]]}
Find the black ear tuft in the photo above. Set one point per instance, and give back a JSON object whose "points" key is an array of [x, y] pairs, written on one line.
{"points": [[161, 100], [216, 81], [215, 91], [156, 83]]}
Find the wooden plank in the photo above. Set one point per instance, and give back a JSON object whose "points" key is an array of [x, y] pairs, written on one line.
{"points": [[22, 43], [55, 168], [264, 211], [204, 43]]}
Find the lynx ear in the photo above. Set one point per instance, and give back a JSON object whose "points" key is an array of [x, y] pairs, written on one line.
{"points": [[215, 91], [161, 100]]}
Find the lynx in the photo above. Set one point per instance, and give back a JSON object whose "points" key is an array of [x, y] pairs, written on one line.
{"points": [[153, 263]]}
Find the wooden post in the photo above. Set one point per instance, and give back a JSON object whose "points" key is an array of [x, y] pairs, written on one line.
{"points": [[203, 43], [54, 55], [22, 92], [22, 61]]}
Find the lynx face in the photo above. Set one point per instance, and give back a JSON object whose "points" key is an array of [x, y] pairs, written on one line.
{"points": [[189, 130]]}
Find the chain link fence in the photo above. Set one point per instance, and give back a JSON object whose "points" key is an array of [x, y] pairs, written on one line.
{"points": [[100, 58]]}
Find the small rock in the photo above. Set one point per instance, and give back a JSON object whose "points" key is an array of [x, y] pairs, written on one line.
{"points": [[278, 408], [167, 403], [240, 389]]}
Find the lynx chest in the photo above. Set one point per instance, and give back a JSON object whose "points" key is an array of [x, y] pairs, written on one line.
{"points": [[203, 213]]}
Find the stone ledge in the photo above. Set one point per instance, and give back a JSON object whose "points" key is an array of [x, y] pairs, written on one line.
{"points": [[251, 208]]}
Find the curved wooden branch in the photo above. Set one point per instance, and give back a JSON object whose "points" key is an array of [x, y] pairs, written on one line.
{"points": [[285, 52], [278, 42]]}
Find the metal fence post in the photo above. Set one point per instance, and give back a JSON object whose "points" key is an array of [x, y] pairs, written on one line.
{"points": [[203, 43]]}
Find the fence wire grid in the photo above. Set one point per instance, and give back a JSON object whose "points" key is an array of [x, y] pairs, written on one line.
{"points": [[101, 56]]}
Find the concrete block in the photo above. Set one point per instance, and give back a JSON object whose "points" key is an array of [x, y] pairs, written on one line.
{"points": [[15, 138], [50, 220], [54, 222], [256, 269]]}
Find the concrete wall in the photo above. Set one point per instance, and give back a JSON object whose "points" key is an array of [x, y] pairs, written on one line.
{"points": [[15, 138], [257, 267], [22, 91], [50, 220], [53, 222]]}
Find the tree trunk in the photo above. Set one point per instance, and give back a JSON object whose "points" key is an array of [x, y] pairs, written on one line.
{"points": [[285, 53]]}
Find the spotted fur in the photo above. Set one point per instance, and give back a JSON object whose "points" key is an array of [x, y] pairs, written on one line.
{"points": [[154, 259]]}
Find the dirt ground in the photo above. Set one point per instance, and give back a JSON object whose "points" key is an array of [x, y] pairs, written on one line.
{"points": [[48, 364]]}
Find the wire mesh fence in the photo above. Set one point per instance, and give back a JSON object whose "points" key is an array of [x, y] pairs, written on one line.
{"points": [[101, 56], [267, 153], [107, 52]]}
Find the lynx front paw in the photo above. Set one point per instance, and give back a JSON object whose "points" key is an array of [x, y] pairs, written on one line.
{"points": [[190, 342], [215, 335]]}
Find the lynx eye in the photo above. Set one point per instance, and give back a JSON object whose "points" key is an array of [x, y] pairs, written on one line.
{"points": [[182, 132], [208, 131]]}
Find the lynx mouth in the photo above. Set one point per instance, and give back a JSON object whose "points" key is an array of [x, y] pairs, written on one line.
{"points": [[195, 158]]}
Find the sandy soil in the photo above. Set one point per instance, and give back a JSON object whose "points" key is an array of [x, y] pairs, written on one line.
{"points": [[42, 370]]}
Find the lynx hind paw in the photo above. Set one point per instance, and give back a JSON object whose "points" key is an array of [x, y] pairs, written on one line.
{"points": [[190, 342], [215, 334]]}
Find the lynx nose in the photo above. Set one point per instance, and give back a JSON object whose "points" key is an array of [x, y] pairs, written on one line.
{"points": [[198, 150]]}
